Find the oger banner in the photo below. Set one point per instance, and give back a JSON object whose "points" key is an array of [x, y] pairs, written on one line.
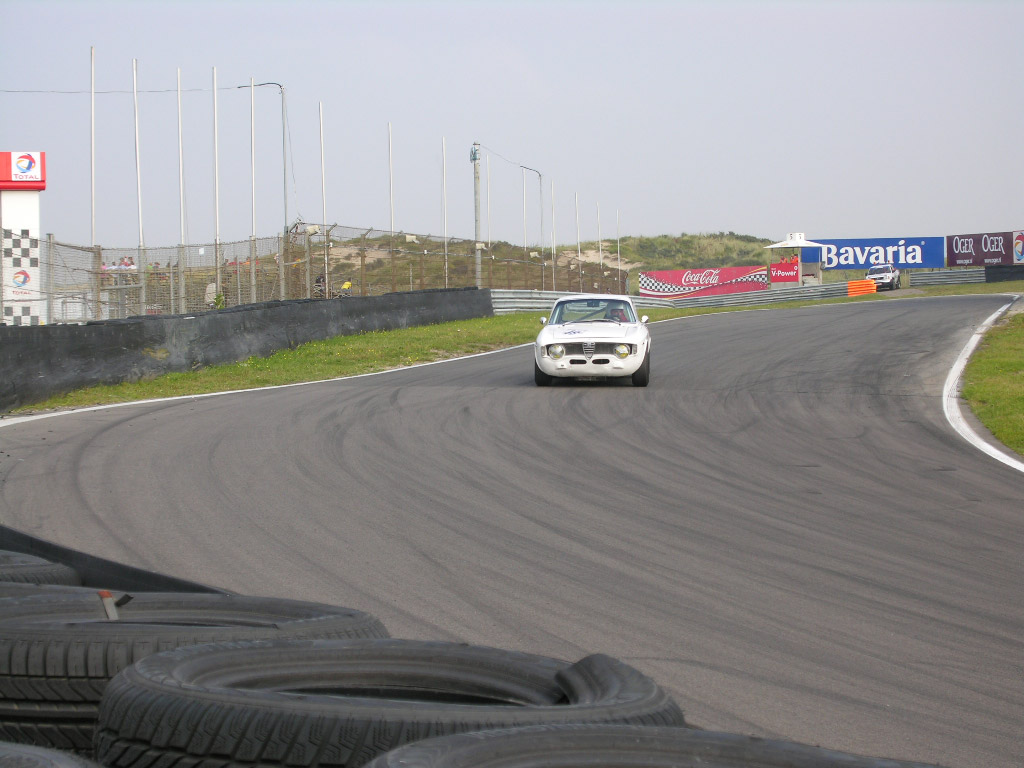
{"points": [[677, 283], [985, 250]]}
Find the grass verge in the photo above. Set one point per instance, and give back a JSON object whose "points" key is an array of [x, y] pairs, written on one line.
{"points": [[994, 382], [994, 379]]}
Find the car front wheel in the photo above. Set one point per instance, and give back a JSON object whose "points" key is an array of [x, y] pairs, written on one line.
{"points": [[540, 378], [642, 375]]}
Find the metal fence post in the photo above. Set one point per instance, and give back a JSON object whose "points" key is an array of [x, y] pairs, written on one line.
{"points": [[280, 265], [217, 266], [252, 269], [182, 290], [97, 279], [394, 273], [171, 281], [49, 279], [309, 267]]}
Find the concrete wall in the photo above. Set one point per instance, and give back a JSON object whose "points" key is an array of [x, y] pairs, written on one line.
{"points": [[40, 361]]}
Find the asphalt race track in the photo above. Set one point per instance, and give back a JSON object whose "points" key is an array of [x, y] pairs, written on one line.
{"points": [[782, 529]]}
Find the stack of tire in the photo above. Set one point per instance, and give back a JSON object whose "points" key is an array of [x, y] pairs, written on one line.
{"points": [[204, 679]]}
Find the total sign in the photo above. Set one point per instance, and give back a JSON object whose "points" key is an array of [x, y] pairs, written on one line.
{"points": [[22, 170], [901, 252]]}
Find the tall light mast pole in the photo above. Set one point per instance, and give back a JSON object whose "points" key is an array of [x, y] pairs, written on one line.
{"points": [[474, 158]]}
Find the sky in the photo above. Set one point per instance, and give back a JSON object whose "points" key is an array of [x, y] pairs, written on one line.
{"points": [[834, 118]]}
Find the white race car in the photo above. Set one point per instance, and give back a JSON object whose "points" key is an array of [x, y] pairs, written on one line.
{"points": [[593, 335], [885, 276]]}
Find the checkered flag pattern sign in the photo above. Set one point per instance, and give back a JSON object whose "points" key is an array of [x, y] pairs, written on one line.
{"points": [[19, 267], [651, 286]]}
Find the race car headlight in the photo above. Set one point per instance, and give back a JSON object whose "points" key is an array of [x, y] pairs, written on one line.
{"points": [[622, 351], [556, 351]]}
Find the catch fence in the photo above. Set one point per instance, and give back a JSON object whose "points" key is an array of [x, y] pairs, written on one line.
{"points": [[315, 261]]}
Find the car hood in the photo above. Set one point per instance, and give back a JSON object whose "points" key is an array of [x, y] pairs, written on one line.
{"points": [[571, 332]]}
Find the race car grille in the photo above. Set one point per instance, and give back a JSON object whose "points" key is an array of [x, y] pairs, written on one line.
{"points": [[590, 348]]}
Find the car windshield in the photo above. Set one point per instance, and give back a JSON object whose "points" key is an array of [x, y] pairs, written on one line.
{"points": [[882, 269], [592, 310]]}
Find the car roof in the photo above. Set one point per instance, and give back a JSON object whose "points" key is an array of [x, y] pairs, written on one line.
{"points": [[586, 296]]}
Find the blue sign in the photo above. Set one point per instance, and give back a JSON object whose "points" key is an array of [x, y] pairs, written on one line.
{"points": [[902, 252]]}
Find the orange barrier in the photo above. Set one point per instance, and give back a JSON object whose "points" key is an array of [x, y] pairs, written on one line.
{"points": [[860, 287]]}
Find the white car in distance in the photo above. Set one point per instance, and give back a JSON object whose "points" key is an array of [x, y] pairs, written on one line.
{"points": [[593, 336], [885, 276]]}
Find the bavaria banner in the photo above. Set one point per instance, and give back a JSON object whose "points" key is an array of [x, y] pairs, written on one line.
{"points": [[901, 252], [680, 283], [984, 250]]}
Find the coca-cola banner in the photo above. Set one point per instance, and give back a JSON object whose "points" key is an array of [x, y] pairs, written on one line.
{"points": [[679, 283], [984, 250], [785, 272]]}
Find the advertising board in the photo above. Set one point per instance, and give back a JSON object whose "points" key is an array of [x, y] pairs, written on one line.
{"points": [[22, 170], [20, 279], [863, 253], [785, 272], [712, 281], [984, 250]]}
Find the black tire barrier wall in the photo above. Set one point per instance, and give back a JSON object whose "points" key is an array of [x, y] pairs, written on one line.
{"points": [[24, 756], [96, 571], [37, 362], [59, 651], [585, 746], [339, 704], [1003, 273], [23, 569]]}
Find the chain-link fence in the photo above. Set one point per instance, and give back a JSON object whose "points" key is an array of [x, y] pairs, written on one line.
{"points": [[83, 283]]}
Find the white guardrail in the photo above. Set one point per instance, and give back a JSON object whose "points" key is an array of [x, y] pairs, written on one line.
{"points": [[947, 277], [508, 301]]}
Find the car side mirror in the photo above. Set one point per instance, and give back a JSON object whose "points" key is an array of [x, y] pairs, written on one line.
{"points": [[643, 319], [543, 320]]}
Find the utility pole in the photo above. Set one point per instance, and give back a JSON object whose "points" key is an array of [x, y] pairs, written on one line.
{"points": [[474, 158]]}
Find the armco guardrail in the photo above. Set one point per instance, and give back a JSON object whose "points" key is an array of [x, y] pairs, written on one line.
{"points": [[754, 298], [947, 277], [506, 302]]}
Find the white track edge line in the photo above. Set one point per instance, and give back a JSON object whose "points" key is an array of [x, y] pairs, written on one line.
{"points": [[951, 396]]}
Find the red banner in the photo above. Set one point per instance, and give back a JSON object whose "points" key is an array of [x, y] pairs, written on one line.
{"points": [[712, 281], [785, 272]]}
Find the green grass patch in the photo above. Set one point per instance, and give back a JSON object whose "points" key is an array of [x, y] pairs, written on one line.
{"points": [[994, 382]]}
